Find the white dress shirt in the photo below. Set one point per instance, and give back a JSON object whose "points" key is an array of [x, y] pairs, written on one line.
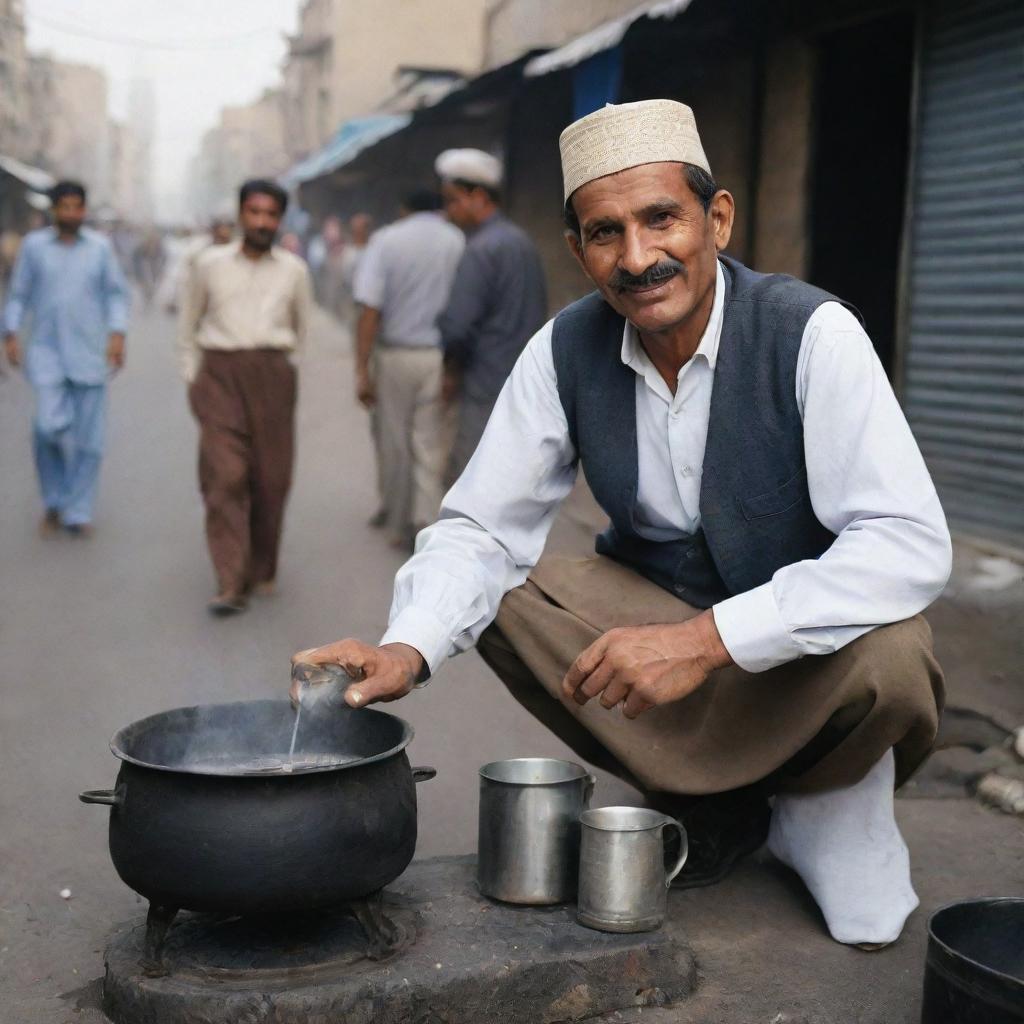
{"points": [[867, 480]]}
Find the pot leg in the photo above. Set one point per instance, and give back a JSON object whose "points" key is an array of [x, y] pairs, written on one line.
{"points": [[158, 920], [381, 934]]}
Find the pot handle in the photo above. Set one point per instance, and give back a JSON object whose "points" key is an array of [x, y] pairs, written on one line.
{"points": [[111, 797], [423, 773]]}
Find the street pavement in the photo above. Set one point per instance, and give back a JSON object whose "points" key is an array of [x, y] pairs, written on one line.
{"points": [[98, 633]]}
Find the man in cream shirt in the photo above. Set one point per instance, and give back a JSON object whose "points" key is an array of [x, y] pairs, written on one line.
{"points": [[746, 648], [244, 316]]}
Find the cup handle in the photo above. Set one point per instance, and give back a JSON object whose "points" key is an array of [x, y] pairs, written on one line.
{"points": [[684, 849], [588, 789]]}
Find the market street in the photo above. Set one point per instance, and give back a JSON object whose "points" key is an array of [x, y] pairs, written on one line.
{"points": [[98, 633]]}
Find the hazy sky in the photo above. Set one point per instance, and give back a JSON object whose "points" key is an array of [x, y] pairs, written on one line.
{"points": [[199, 54]]}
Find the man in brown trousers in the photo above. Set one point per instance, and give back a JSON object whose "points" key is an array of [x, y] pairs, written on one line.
{"points": [[244, 317], [746, 648]]}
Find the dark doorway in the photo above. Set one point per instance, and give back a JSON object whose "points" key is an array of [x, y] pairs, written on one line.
{"points": [[860, 169]]}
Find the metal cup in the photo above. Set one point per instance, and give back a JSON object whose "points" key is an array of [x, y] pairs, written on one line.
{"points": [[623, 884], [528, 849]]}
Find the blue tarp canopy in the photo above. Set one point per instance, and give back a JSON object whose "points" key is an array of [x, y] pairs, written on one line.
{"points": [[347, 143]]}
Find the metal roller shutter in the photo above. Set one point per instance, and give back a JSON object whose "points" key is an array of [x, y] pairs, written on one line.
{"points": [[963, 371]]}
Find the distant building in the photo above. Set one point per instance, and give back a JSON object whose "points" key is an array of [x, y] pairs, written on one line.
{"points": [[347, 59], [14, 111], [134, 194], [79, 143], [248, 141]]}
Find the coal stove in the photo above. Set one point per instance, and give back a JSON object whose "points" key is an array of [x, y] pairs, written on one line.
{"points": [[234, 947], [429, 947]]}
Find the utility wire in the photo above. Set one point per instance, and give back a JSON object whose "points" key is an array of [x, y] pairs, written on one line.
{"points": [[226, 42]]}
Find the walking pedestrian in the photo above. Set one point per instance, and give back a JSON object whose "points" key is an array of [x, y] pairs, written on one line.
{"points": [[330, 290], [245, 314], [182, 255], [402, 284], [498, 300], [149, 259], [360, 228], [68, 280]]}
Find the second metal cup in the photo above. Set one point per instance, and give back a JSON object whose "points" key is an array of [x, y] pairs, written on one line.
{"points": [[623, 877], [528, 849]]}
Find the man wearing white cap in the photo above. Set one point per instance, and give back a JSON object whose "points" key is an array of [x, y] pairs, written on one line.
{"points": [[498, 300], [750, 626]]}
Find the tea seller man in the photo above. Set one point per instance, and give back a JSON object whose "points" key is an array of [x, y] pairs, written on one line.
{"points": [[746, 646]]}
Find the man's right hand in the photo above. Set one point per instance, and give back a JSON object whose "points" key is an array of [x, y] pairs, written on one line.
{"points": [[365, 391], [380, 673], [12, 349]]}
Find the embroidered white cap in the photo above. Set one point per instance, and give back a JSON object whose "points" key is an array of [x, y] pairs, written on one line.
{"points": [[473, 165], [623, 135]]}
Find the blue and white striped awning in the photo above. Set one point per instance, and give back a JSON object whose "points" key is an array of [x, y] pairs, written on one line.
{"points": [[603, 37], [33, 177], [347, 143]]}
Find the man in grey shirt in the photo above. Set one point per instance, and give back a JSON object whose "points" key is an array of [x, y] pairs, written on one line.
{"points": [[498, 301], [401, 285]]}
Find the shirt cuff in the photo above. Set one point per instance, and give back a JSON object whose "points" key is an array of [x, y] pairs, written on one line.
{"points": [[422, 630], [753, 632]]}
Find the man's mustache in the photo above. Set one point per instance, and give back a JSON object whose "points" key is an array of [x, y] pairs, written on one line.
{"points": [[623, 280]]}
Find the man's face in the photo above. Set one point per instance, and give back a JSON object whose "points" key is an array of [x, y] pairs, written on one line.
{"points": [[68, 214], [260, 217], [222, 231], [332, 231], [460, 204], [359, 228], [648, 245]]}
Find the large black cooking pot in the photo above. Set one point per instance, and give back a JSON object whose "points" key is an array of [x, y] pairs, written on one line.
{"points": [[975, 968], [206, 816]]}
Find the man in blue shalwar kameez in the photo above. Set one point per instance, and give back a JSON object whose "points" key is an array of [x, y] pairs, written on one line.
{"points": [[68, 283]]}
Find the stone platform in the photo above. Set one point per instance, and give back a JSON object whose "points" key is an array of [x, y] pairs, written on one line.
{"points": [[463, 960]]}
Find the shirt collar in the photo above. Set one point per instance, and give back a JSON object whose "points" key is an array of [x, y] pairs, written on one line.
{"points": [[635, 357]]}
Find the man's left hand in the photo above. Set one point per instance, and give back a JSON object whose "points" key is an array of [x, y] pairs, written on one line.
{"points": [[115, 351], [451, 384], [642, 667]]}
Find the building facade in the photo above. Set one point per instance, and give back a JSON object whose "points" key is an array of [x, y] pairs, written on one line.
{"points": [[347, 59], [248, 141]]}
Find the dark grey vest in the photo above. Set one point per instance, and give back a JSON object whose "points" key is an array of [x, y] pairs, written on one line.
{"points": [[755, 509]]}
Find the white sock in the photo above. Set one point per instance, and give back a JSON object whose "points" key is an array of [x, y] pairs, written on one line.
{"points": [[848, 850]]}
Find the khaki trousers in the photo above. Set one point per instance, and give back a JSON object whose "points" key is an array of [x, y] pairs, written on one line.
{"points": [[411, 433], [815, 724], [245, 404]]}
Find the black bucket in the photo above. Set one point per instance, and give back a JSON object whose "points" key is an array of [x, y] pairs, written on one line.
{"points": [[974, 973]]}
